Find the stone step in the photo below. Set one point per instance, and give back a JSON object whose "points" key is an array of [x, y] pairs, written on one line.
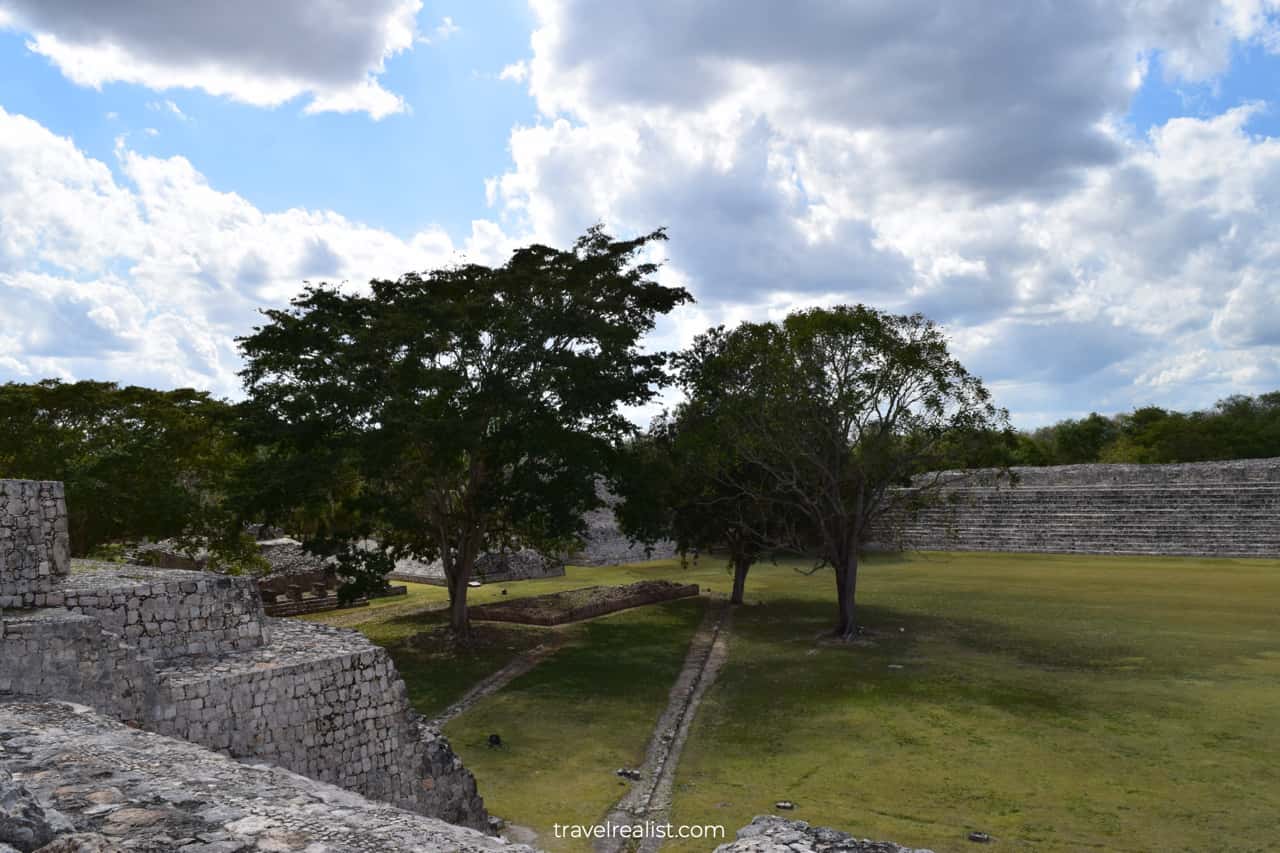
{"points": [[167, 613]]}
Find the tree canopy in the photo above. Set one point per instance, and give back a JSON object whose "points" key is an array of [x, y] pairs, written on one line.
{"points": [[136, 462], [477, 404], [824, 413]]}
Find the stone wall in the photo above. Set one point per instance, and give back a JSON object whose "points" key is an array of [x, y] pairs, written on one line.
{"points": [[35, 549], [168, 612], [51, 652], [319, 701], [1196, 509], [142, 791], [192, 655]]}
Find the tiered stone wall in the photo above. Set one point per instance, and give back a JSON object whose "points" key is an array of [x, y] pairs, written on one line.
{"points": [[101, 786], [320, 701], [606, 545], [166, 612], [192, 655], [51, 652], [1197, 509], [35, 550]]}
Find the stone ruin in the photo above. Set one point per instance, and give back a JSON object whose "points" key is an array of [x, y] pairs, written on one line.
{"points": [[127, 693], [191, 656], [603, 545], [1219, 509]]}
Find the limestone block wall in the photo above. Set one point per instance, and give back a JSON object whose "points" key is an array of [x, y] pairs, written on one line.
{"points": [[35, 549], [168, 613], [322, 702], [192, 655], [51, 652], [146, 792], [1197, 509]]}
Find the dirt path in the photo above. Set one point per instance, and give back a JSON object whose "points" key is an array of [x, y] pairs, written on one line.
{"points": [[522, 663], [649, 799]]}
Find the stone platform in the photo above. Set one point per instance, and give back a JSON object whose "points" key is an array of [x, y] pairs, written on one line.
{"points": [[148, 793], [191, 654]]}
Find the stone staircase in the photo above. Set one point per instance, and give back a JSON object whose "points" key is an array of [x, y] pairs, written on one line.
{"points": [[1182, 510]]}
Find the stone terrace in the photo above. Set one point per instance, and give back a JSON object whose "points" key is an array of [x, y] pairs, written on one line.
{"points": [[152, 793], [191, 655], [1201, 509]]}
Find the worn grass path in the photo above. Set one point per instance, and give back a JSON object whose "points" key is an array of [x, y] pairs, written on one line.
{"points": [[649, 800]]}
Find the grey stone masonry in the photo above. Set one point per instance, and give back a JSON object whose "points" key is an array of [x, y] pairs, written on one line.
{"points": [[125, 789], [35, 550], [167, 612], [192, 655], [51, 652], [1197, 509], [773, 834], [323, 702]]}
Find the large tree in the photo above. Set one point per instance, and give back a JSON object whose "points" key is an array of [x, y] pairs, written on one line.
{"points": [[825, 413], [477, 404]]}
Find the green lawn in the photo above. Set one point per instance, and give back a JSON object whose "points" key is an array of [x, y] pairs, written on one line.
{"points": [[1059, 703]]}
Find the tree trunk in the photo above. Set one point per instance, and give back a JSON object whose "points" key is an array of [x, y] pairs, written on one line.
{"points": [[741, 566], [459, 621], [846, 587]]}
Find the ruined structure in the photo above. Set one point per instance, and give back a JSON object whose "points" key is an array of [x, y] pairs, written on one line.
{"points": [[78, 781], [191, 655], [1200, 509], [773, 834]]}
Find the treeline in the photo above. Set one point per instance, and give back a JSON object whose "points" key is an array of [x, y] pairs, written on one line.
{"points": [[470, 409], [136, 462], [1238, 427]]}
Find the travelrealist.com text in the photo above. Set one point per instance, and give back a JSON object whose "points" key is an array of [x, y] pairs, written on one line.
{"points": [[644, 829]]}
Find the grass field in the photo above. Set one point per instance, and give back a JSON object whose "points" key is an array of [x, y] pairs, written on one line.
{"points": [[1058, 703]]}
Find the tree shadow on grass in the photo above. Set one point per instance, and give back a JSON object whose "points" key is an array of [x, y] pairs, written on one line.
{"points": [[783, 653]]}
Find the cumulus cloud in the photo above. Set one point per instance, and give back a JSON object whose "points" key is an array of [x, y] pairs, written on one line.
{"points": [[956, 160], [333, 52], [149, 279]]}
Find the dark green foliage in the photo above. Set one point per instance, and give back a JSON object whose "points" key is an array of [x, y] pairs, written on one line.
{"points": [[462, 409], [136, 462], [798, 429], [364, 572], [1238, 427]]}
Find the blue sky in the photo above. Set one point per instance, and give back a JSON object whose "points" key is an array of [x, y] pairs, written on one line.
{"points": [[1081, 194]]}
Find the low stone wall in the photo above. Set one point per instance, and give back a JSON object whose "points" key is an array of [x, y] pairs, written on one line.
{"points": [[57, 653], [1198, 509], [35, 549], [168, 612], [143, 791]]}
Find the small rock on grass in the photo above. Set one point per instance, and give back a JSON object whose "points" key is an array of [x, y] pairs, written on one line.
{"points": [[785, 805]]}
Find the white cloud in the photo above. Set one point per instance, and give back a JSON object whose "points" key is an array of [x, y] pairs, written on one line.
{"points": [[953, 160], [516, 72], [170, 107], [149, 280], [229, 49], [443, 31]]}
